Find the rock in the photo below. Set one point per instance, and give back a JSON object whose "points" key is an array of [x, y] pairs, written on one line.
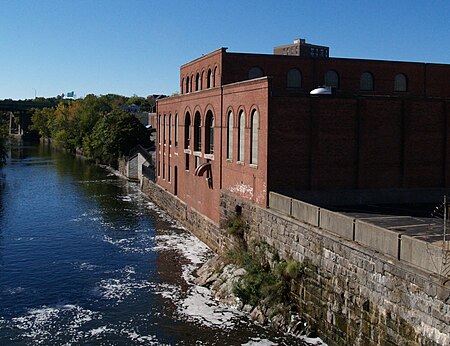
{"points": [[258, 315]]}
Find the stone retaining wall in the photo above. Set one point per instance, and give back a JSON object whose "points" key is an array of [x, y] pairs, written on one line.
{"points": [[350, 293]]}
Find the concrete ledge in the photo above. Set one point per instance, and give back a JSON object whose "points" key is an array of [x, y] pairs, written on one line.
{"points": [[422, 254], [377, 238], [280, 203], [337, 223], [305, 212]]}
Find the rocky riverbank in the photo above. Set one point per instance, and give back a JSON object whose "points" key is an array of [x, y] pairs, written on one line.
{"points": [[222, 277]]}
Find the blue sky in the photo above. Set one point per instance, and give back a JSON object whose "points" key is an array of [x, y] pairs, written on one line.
{"points": [[137, 46]]}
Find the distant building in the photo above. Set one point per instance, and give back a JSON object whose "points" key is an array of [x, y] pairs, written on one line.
{"points": [[301, 48], [247, 124]]}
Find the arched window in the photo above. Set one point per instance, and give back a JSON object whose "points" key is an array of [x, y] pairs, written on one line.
{"points": [[209, 133], [366, 82], [230, 130], [294, 79], [216, 77], [255, 72], [182, 86], [202, 80], [176, 129], [187, 131], [241, 136], [191, 84], [164, 129], [187, 85], [209, 81], [254, 139], [197, 82], [159, 129], [332, 79], [400, 83], [170, 129], [197, 132]]}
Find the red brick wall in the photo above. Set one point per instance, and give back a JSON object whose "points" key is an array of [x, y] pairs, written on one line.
{"points": [[367, 143]]}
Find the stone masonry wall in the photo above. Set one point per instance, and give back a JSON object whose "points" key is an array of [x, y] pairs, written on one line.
{"points": [[203, 228], [350, 294]]}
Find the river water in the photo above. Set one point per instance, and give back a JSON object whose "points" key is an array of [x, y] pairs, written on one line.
{"points": [[86, 258]]}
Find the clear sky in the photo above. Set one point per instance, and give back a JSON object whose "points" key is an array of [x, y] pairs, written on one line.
{"points": [[128, 47]]}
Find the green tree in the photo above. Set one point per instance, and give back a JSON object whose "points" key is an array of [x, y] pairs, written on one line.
{"points": [[3, 139], [41, 120], [114, 135]]}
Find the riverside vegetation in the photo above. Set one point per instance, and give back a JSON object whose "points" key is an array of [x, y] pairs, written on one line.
{"points": [[253, 277], [96, 126]]}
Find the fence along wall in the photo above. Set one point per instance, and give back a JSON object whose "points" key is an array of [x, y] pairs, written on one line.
{"points": [[413, 251]]}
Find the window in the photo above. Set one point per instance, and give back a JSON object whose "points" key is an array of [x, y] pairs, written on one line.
{"points": [[176, 129], [197, 82], [182, 86], [366, 82], [197, 132], [400, 83], [186, 163], [209, 133], [187, 85], [187, 132], [201, 80], [294, 79], [170, 129], [230, 136], [209, 81], [332, 79], [215, 77], [164, 129], [254, 139], [241, 136], [255, 72], [159, 129], [168, 169]]}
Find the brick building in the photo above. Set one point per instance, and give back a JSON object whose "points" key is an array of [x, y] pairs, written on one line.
{"points": [[247, 123]]}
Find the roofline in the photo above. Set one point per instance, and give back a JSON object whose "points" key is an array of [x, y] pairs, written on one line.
{"points": [[217, 51]]}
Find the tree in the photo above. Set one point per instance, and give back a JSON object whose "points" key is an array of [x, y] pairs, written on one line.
{"points": [[114, 135], [3, 138]]}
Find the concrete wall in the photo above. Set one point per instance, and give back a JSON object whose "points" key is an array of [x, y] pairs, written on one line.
{"points": [[350, 293]]}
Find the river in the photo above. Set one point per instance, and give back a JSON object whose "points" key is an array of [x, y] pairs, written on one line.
{"points": [[86, 258]]}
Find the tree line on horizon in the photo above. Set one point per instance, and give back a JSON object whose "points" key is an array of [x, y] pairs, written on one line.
{"points": [[99, 127]]}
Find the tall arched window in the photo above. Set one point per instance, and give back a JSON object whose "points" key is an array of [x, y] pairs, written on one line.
{"points": [[187, 130], [254, 139], [176, 129], [187, 85], [164, 129], [255, 72], [159, 129], [294, 79], [197, 82], [197, 132], [216, 77], [202, 80], [209, 133], [332, 79], [170, 129], [209, 81], [182, 86], [400, 83], [230, 130], [366, 82], [241, 136]]}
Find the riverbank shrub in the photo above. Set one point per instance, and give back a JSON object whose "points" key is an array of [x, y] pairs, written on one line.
{"points": [[268, 279]]}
